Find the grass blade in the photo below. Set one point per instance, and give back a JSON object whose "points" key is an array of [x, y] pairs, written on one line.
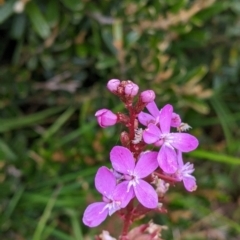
{"points": [[13, 203], [23, 121], [75, 224], [213, 156], [46, 215], [58, 123]]}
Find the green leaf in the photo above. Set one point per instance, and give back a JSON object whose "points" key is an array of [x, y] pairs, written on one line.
{"points": [[214, 9], [6, 152], [75, 223], [58, 123], [106, 62], [178, 5], [223, 112], [18, 26], [74, 5], [197, 104], [6, 10], [216, 157], [46, 215], [38, 20], [13, 202], [52, 13], [23, 121]]}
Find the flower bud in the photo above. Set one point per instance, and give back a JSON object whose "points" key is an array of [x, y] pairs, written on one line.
{"points": [[125, 139], [176, 120], [113, 84], [106, 118], [147, 96], [131, 89]]}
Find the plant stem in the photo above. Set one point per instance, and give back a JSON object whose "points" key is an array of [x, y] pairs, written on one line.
{"points": [[127, 221], [167, 178]]}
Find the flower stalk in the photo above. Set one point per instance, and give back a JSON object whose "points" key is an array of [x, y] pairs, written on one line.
{"points": [[140, 178]]}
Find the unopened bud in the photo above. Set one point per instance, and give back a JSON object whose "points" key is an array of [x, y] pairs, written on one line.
{"points": [[125, 139], [131, 89], [176, 120], [147, 96], [106, 118], [113, 84]]}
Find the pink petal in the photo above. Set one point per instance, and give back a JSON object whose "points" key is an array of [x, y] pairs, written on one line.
{"points": [[190, 183], [165, 118], [94, 214], [179, 159], [184, 142], [151, 134], [146, 164], [153, 109], [123, 194], [167, 159], [145, 118], [146, 194], [122, 159], [105, 181]]}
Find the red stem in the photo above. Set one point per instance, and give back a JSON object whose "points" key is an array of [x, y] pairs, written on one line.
{"points": [[167, 178], [127, 221]]}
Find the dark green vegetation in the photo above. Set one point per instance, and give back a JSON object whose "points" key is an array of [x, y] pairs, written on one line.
{"points": [[56, 57]]}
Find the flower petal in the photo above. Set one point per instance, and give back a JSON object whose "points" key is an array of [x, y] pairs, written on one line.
{"points": [[184, 142], [146, 164], [105, 181], [179, 159], [151, 134], [145, 118], [167, 159], [122, 159], [153, 109], [190, 183], [165, 118], [123, 194], [146, 194], [95, 214]]}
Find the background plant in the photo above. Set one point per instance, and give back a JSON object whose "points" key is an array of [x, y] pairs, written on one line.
{"points": [[56, 57]]}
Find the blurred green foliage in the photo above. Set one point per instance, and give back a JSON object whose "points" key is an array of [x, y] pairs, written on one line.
{"points": [[56, 57]]}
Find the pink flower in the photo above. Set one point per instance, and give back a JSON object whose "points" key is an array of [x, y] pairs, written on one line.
{"points": [[113, 84], [106, 118], [153, 117], [123, 162], [161, 136], [147, 96], [184, 172], [114, 198]]}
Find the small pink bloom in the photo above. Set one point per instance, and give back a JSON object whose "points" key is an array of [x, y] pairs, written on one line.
{"points": [[184, 172], [113, 84], [114, 198], [106, 118], [123, 162], [153, 117], [161, 136], [131, 89], [147, 96]]}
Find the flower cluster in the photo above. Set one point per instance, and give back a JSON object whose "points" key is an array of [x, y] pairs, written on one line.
{"points": [[140, 178]]}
